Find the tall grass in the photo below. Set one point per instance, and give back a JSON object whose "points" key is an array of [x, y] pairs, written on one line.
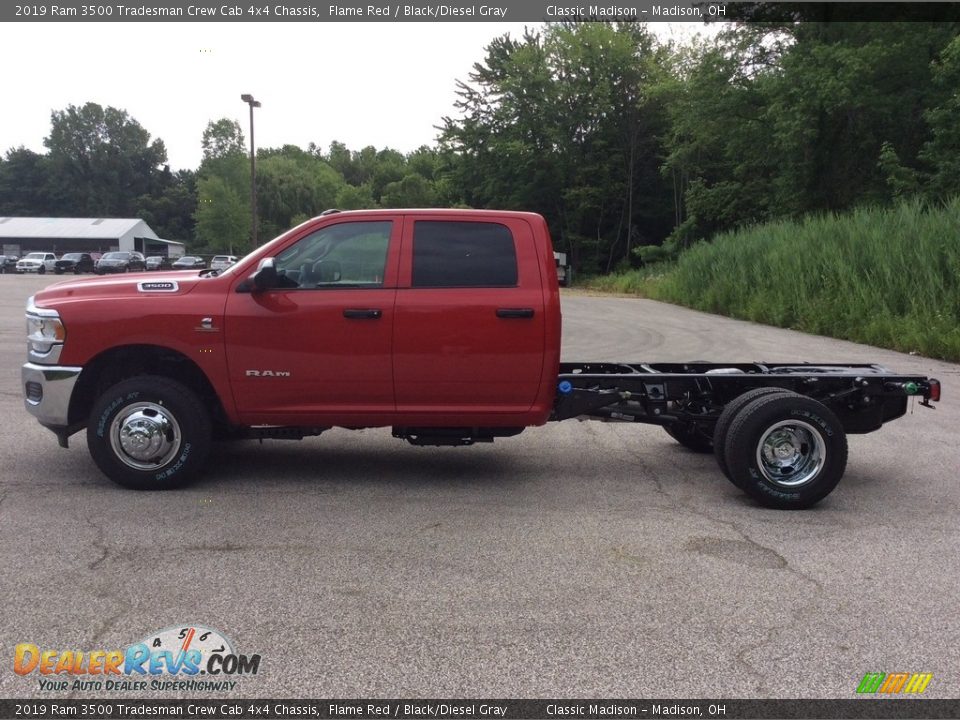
{"points": [[887, 277], [642, 281]]}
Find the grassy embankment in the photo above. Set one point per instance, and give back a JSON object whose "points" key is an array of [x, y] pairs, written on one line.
{"points": [[887, 277]]}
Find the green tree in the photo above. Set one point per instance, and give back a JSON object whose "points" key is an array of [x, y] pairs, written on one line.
{"points": [[351, 197], [223, 189], [26, 184], [843, 91], [942, 151], [567, 123], [101, 161], [774, 120], [223, 216], [171, 211], [222, 138], [717, 164], [388, 166], [413, 191], [292, 183]]}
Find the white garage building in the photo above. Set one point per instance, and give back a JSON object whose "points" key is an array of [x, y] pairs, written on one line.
{"points": [[22, 235]]}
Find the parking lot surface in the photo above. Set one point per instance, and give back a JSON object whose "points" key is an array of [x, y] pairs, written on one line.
{"points": [[580, 559]]}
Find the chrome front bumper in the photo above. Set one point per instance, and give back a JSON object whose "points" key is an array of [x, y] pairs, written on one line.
{"points": [[47, 390]]}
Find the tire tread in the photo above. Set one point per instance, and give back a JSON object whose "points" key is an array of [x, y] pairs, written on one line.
{"points": [[740, 450], [730, 412], [192, 416]]}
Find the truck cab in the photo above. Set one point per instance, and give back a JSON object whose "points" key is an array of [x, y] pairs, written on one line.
{"points": [[425, 316], [443, 324]]}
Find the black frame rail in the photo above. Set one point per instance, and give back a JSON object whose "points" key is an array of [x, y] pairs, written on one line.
{"points": [[863, 396]]}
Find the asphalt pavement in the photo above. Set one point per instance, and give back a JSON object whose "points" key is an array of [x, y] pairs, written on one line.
{"points": [[579, 559]]}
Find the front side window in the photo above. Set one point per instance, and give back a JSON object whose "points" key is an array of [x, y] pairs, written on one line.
{"points": [[345, 255], [463, 254]]}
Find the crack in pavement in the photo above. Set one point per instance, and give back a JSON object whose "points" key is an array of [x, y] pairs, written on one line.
{"points": [[99, 544], [797, 612]]}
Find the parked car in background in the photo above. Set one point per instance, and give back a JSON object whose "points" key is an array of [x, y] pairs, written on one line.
{"points": [[190, 262], [74, 262], [222, 262], [121, 262], [159, 262], [38, 262], [8, 263]]}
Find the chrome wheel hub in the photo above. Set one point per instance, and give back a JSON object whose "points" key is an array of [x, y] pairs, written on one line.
{"points": [[145, 436], [791, 453]]}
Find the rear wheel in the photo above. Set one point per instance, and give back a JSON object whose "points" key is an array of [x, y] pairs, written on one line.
{"points": [[691, 437], [786, 451], [730, 411], [149, 433]]}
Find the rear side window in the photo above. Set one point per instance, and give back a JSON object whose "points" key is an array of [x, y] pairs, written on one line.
{"points": [[463, 254]]}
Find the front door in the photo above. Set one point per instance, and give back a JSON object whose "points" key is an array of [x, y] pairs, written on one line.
{"points": [[319, 348]]}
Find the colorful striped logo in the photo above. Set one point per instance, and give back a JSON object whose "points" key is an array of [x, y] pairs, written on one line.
{"points": [[892, 683]]}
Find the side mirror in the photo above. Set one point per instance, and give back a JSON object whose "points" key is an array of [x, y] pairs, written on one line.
{"points": [[264, 278]]}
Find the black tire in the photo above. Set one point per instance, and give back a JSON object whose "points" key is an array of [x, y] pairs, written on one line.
{"points": [[786, 451], [690, 438], [168, 433], [42, 270], [730, 411]]}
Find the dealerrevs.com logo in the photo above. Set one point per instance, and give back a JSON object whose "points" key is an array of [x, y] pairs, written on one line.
{"points": [[894, 683], [196, 657]]}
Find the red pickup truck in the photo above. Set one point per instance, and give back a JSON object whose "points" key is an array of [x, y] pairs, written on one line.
{"points": [[442, 324]]}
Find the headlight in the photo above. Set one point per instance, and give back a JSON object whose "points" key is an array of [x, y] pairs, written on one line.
{"points": [[45, 333]]}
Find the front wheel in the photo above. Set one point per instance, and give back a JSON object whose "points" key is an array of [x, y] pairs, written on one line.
{"points": [[149, 433], [786, 451], [41, 270]]}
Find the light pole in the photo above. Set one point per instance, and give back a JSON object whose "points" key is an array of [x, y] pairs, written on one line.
{"points": [[247, 98]]}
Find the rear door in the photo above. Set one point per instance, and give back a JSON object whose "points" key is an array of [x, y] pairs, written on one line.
{"points": [[321, 345], [469, 330]]}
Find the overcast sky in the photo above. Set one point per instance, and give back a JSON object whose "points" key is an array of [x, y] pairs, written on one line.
{"points": [[381, 84]]}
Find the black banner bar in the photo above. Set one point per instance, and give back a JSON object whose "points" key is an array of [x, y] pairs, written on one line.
{"points": [[695, 11], [479, 709]]}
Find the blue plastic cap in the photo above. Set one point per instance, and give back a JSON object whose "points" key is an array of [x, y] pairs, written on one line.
{"points": [[566, 387]]}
